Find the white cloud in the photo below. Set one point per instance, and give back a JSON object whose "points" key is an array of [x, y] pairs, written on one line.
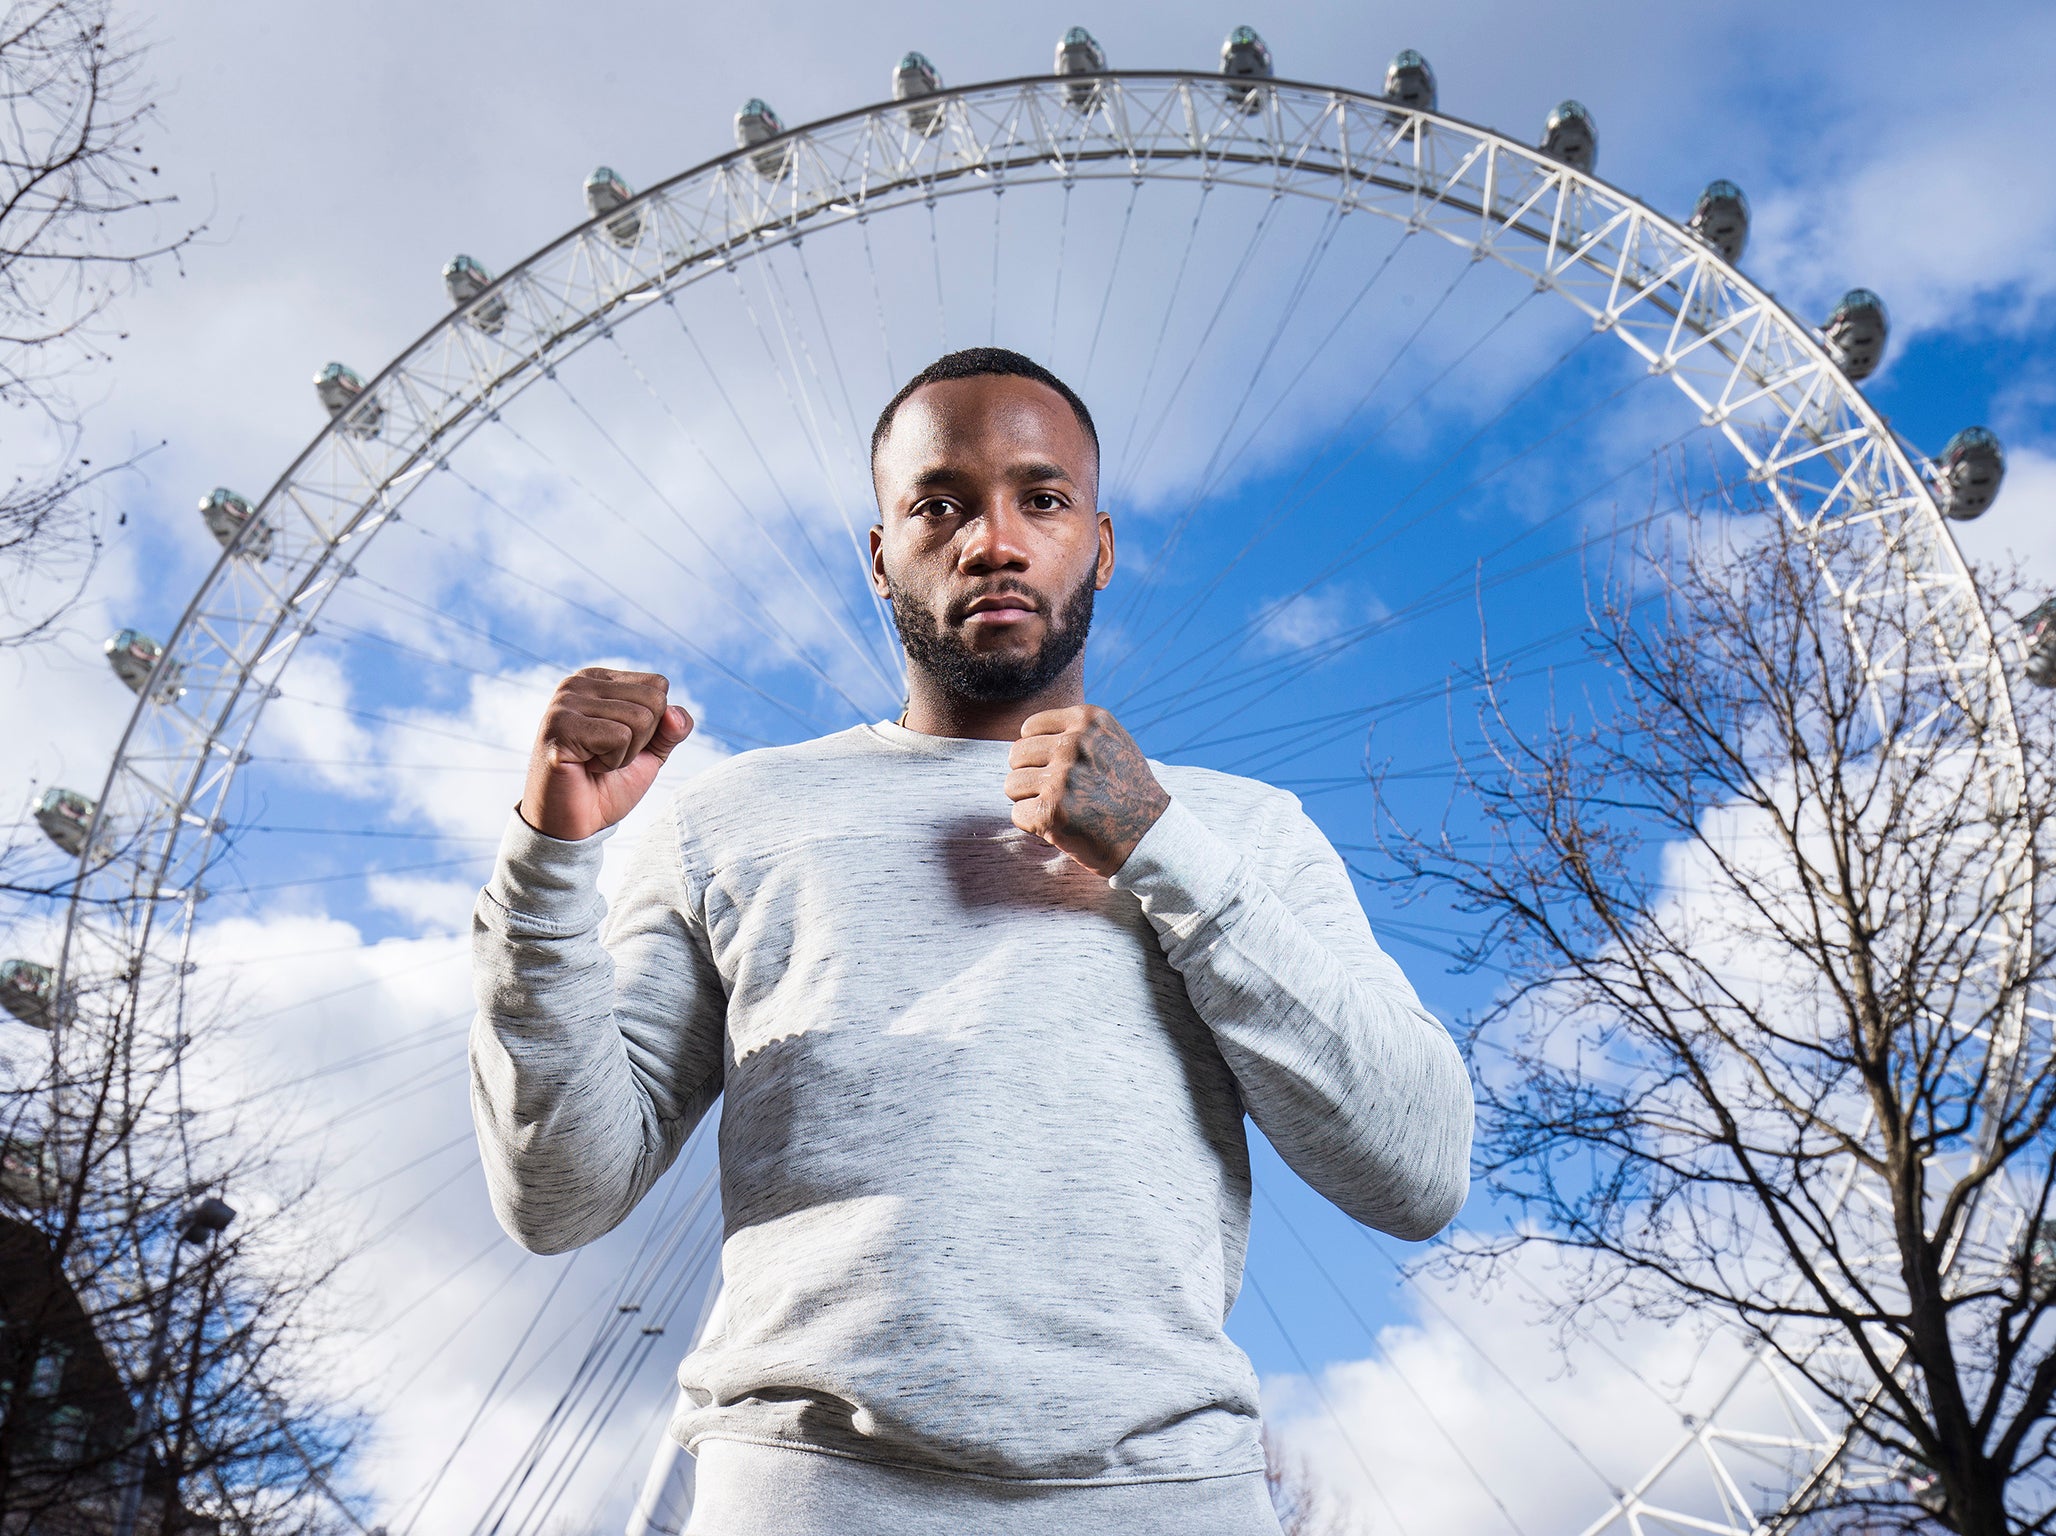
{"points": [[433, 906], [1308, 619], [312, 720], [1936, 211], [1481, 1409]]}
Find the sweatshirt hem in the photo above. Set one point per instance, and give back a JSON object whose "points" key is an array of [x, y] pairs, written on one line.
{"points": [[947, 1475], [748, 1487]]}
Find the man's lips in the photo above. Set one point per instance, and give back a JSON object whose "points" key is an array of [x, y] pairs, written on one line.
{"points": [[1000, 609]]}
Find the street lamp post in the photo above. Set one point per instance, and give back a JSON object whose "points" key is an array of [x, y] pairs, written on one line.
{"points": [[202, 1224]]}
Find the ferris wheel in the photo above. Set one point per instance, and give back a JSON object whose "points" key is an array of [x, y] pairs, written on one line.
{"points": [[1265, 287]]}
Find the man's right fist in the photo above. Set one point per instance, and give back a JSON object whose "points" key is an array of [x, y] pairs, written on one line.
{"points": [[603, 738]]}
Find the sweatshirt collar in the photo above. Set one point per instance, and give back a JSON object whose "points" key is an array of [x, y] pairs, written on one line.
{"points": [[960, 748]]}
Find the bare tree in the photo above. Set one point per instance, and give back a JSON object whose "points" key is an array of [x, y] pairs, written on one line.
{"points": [[1775, 1046], [1305, 1506], [80, 224], [159, 1359]]}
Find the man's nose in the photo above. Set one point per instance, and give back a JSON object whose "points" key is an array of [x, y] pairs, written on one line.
{"points": [[995, 540]]}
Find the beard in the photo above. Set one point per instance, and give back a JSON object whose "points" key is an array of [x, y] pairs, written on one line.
{"points": [[933, 645]]}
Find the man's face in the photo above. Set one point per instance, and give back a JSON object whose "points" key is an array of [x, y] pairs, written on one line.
{"points": [[991, 543]]}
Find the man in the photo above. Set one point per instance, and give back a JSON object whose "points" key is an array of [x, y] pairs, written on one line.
{"points": [[983, 1170]]}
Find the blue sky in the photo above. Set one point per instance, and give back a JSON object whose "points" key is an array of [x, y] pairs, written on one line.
{"points": [[340, 157]]}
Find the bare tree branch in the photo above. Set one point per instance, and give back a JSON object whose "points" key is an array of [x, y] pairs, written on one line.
{"points": [[81, 222], [1770, 1049], [146, 1361]]}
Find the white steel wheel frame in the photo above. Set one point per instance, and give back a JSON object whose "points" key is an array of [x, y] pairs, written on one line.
{"points": [[1759, 375]]}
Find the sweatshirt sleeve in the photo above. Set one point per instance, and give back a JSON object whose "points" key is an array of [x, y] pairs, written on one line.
{"points": [[1359, 1088], [593, 1055]]}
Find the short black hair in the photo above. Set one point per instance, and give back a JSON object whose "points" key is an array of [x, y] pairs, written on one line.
{"points": [[977, 363]]}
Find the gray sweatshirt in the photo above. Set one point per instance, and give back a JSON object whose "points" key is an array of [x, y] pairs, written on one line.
{"points": [[983, 1170]]}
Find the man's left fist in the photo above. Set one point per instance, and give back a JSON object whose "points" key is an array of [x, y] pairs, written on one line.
{"points": [[1079, 782]]}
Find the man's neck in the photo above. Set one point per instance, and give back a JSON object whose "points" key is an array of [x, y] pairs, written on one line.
{"points": [[935, 711]]}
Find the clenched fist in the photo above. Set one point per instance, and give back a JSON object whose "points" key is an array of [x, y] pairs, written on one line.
{"points": [[602, 740], [1079, 782]]}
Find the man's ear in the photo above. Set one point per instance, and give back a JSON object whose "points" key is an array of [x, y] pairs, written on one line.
{"points": [[1103, 571], [878, 582]]}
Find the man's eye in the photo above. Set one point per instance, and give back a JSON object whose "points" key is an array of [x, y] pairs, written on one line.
{"points": [[1045, 501]]}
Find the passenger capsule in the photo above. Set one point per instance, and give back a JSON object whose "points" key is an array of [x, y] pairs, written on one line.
{"points": [[1244, 57], [340, 389], [134, 656], [466, 280], [755, 124], [227, 515], [1410, 82], [2038, 1258], [1078, 54], [65, 816], [1970, 470], [1570, 135], [28, 991], [913, 79], [1925, 1489], [1856, 333], [605, 192], [2038, 632], [1721, 219]]}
